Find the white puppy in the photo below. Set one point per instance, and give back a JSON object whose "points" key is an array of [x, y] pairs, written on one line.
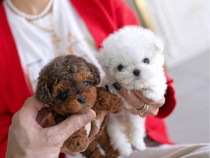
{"points": [[132, 57]]}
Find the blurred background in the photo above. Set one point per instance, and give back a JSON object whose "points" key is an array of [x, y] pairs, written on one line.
{"points": [[185, 27]]}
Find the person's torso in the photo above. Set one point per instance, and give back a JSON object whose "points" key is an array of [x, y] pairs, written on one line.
{"points": [[36, 43]]}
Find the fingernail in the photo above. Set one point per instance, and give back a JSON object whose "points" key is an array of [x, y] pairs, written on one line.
{"points": [[91, 115], [117, 86], [107, 87]]}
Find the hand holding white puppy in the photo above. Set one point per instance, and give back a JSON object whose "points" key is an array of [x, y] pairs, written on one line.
{"points": [[137, 100]]}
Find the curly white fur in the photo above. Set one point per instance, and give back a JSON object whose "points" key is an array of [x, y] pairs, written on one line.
{"points": [[133, 57]]}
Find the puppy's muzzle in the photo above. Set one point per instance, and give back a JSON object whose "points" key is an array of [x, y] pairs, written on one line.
{"points": [[82, 99], [136, 72]]}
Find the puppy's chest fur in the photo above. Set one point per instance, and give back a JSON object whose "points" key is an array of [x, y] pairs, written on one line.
{"points": [[114, 91], [125, 116], [126, 130]]}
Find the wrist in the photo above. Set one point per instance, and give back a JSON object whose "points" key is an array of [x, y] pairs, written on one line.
{"points": [[19, 154], [31, 154], [40, 154]]}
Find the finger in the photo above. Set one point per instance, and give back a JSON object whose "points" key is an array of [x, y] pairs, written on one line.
{"points": [[96, 124], [148, 101], [31, 107], [144, 99], [101, 116], [137, 100], [137, 112], [161, 102], [131, 98], [93, 132], [153, 110], [71, 125], [133, 111], [65, 150], [30, 110], [45, 119], [33, 102]]}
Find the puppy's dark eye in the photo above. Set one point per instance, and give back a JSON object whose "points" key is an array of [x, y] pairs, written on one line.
{"points": [[62, 96], [87, 83], [120, 67], [146, 60]]}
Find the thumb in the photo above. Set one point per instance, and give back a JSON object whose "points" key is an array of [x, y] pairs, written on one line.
{"points": [[30, 110], [72, 124]]}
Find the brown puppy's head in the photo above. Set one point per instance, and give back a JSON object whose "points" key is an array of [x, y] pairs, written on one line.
{"points": [[68, 85]]}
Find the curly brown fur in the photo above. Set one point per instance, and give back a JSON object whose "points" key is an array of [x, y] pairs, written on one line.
{"points": [[68, 85], [107, 101], [78, 141], [102, 141], [93, 150]]}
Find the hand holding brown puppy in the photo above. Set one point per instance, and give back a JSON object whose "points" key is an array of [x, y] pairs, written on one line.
{"points": [[28, 139]]}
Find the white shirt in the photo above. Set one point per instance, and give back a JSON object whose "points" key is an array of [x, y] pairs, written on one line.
{"points": [[35, 45]]}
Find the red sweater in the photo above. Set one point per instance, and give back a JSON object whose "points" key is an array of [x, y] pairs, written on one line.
{"points": [[102, 17]]}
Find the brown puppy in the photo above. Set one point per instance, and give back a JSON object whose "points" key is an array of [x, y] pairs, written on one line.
{"points": [[68, 85]]}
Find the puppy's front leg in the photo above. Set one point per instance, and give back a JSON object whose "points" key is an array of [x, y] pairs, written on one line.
{"points": [[107, 101], [137, 131], [78, 141], [118, 138], [155, 89]]}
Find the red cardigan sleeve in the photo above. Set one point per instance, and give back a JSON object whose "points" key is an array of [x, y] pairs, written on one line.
{"points": [[170, 101], [6, 118]]}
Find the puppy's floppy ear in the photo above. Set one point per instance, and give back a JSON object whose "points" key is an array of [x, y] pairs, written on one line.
{"points": [[158, 44], [95, 71], [43, 91]]}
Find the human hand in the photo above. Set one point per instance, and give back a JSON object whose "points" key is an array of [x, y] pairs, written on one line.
{"points": [[97, 126], [28, 139], [138, 101]]}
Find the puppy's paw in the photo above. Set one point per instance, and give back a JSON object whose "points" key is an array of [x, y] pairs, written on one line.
{"points": [[125, 149], [78, 141], [152, 94], [139, 144]]}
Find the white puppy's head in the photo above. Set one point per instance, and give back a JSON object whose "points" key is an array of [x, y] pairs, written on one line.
{"points": [[132, 56]]}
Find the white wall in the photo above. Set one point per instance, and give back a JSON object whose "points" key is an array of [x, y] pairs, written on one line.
{"points": [[183, 24], [189, 122]]}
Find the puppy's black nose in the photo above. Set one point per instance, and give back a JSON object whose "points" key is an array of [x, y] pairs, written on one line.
{"points": [[136, 72], [81, 99]]}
